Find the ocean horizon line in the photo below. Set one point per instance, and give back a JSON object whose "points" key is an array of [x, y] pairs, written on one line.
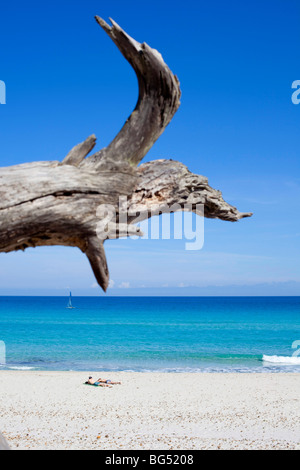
{"points": [[106, 296]]}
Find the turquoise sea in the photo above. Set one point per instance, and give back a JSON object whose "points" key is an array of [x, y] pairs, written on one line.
{"points": [[193, 334]]}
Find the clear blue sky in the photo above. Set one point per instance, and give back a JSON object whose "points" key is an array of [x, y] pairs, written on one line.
{"points": [[237, 125]]}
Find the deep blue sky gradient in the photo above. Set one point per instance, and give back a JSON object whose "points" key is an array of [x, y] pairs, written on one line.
{"points": [[237, 125]]}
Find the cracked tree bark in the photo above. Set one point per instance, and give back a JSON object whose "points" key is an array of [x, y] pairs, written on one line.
{"points": [[55, 203]]}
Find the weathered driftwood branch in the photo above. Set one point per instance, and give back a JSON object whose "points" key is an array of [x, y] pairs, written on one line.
{"points": [[159, 96], [53, 203]]}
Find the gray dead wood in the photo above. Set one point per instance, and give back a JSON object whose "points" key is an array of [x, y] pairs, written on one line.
{"points": [[57, 203]]}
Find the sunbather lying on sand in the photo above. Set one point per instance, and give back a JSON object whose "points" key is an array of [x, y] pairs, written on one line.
{"points": [[101, 382]]}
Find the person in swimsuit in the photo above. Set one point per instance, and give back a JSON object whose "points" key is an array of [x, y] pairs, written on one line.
{"points": [[101, 382]]}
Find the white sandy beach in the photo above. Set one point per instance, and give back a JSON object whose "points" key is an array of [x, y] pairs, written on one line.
{"points": [[54, 410]]}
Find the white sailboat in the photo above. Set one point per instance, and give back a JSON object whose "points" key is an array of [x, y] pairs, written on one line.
{"points": [[70, 301]]}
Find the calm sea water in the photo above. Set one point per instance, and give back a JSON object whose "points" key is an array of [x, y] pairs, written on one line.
{"points": [[229, 334]]}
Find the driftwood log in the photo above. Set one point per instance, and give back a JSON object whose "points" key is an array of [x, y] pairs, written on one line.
{"points": [[57, 203]]}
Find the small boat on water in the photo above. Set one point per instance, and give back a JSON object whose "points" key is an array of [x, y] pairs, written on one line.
{"points": [[70, 305]]}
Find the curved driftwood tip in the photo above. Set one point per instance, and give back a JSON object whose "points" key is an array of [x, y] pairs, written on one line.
{"points": [[103, 24], [159, 99]]}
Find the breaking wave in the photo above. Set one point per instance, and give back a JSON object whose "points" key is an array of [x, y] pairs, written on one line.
{"points": [[282, 359]]}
